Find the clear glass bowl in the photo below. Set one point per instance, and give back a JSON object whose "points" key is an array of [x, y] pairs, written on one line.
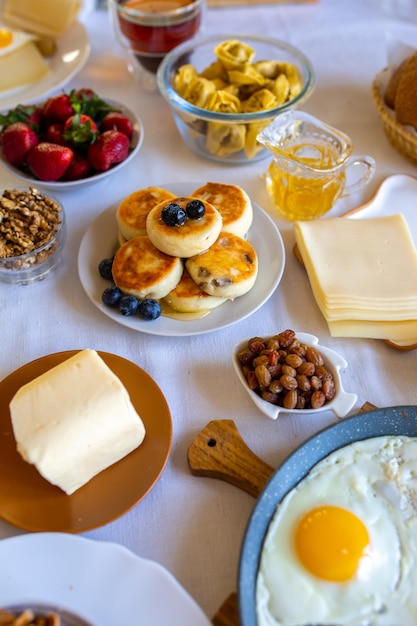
{"points": [[194, 122], [67, 618], [36, 264]]}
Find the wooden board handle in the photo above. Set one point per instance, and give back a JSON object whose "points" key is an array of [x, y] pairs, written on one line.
{"points": [[228, 613], [220, 452]]}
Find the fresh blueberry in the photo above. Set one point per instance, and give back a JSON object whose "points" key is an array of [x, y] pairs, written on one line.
{"points": [[173, 215], [128, 305], [111, 295], [105, 268], [149, 309], [195, 209]]}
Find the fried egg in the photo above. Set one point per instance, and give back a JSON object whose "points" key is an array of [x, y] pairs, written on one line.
{"points": [[342, 545], [12, 39]]}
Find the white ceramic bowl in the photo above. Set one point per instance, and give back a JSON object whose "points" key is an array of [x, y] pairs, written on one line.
{"points": [[341, 404], [193, 122], [36, 264], [135, 145]]}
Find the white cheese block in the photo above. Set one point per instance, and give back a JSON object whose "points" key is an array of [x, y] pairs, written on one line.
{"points": [[75, 420], [22, 67], [43, 17]]}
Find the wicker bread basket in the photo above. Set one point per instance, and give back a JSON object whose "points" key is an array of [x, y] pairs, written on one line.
{"points": [[404, 140]]}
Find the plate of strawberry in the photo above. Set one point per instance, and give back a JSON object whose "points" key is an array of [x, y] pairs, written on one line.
{"points": [[70, 139]]}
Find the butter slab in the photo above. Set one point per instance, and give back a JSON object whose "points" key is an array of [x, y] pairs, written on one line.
{"points": [[74, 421]]}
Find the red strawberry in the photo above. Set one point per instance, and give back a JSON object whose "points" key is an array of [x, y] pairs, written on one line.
{"points": [[110, 148], [49, 161], [17, 140], [78, 168], [34, 114], [55, 134], [117, 121], [57, 109], [80, 129], [84, 93]]}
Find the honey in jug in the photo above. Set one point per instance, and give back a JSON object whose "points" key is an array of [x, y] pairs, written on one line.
{"points": [[305, 183]]}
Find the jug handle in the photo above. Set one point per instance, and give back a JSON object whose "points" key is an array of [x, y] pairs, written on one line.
{"points": [[368, 166]]}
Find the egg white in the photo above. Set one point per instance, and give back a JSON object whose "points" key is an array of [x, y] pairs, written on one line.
{"points": [[19, 39], [375, 479]]}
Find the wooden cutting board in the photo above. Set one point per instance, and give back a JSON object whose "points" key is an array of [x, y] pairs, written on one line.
{"points": [[225, 3]]}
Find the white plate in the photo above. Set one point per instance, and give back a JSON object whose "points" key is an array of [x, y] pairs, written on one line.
{"points": [[135, 145], [100, 242], [73, 49], [396, 194], [103, 582]]}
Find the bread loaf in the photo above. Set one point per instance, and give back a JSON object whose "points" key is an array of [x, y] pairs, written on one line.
{"points": [[401, 92]]}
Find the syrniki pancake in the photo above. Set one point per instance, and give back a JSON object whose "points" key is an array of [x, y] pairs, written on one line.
{"points": [[141, 270], [192, 237], [133, 210], [228, 269], [233, 204], [187, 297]]}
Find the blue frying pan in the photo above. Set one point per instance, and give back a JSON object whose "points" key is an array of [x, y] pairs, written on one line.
{"points": [[220, 452], [400, 420]]}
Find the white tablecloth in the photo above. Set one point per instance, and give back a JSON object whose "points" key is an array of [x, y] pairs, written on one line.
{"points": [[194, 526]]}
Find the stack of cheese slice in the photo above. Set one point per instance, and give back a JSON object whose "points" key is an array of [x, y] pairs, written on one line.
{"points": [[75, 420], [363, 273], [42, 17]]}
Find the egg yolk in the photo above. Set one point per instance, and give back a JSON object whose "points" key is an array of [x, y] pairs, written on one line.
{"points": [[330, 541], [6, 37]]}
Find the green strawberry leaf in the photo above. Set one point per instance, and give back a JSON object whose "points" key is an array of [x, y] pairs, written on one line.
{"points": [[21, 113], [80, 131], [90, 104]]}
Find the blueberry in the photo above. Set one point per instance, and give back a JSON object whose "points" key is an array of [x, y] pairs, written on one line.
{"points": [[128, 305], [173, 215], [111, 295], [195, 209], [105, 267], [149, 309]]}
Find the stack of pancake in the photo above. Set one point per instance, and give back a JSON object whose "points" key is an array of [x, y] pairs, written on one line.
{"points": [[193, 267]]}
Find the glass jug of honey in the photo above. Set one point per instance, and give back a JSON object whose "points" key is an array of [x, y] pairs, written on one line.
{"points": [[308, 171]]}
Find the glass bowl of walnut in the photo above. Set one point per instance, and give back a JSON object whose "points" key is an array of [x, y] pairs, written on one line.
{"points": [[40, 615], [291, 373], [32, 235]]}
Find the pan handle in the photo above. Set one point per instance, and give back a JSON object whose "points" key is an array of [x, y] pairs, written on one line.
{"points": [[220, 452]]}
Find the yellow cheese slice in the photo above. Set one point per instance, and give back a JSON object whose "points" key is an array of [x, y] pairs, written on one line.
{"points": [[43, 17], [372, 262], [403, 331], [75, 420], [22, 67], [370, 312]]}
